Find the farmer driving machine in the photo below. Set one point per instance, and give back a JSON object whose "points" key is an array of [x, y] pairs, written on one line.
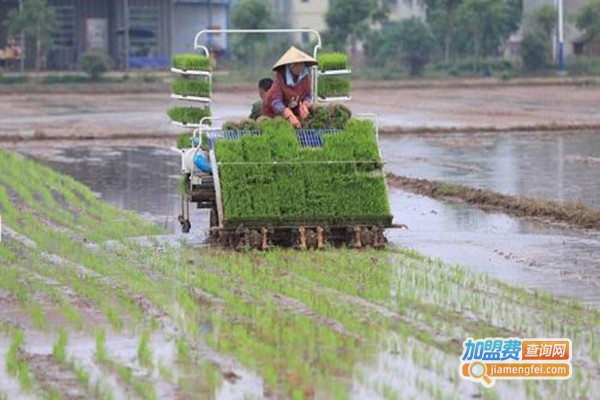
{"points": [[269, 184]]}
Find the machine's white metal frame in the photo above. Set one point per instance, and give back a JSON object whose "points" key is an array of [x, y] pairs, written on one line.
{"points": [[315, 73]]}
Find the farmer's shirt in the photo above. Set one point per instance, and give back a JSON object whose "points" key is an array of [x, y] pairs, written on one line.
{"points": [[286, 92], [256, 110]]}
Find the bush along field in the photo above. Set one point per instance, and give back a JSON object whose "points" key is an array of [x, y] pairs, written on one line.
{"points": [[93, 304], [271, 177]]}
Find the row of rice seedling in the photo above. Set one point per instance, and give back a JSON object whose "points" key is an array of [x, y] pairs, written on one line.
{"points": [[63, 201], [270, 176], [15, 365], [140, 386], [59, 352], [427, 306], [332, 61], [332, 86], [191, 62]]}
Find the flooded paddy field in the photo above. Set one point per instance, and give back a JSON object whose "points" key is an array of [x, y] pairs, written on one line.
{"points": [[95, 304], [561, 166], [564, 261]]}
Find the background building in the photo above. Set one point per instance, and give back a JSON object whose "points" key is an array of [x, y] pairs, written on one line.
{"points": [[135, 33], [573, 37], [299, 14], [402, 9]]}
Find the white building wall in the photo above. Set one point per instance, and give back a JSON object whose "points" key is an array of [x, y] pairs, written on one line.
{"points": [[188, 19]]}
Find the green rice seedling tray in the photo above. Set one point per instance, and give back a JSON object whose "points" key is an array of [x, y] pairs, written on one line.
{"points": [[191, 87], [191, 62], [332, 61], [332, 86], [188, 115], [270, 178]]}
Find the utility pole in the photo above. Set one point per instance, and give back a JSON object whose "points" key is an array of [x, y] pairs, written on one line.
{"points": [[126, 33], [21, 44], [210, 23], [561, 39]]}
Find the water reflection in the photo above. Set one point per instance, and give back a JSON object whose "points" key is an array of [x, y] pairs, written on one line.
{"points": [[559, 166]]}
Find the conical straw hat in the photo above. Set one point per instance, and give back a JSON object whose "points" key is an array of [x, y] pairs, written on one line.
{"points": [[294, 55]]}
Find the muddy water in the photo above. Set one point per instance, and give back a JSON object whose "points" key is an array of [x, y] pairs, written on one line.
{"points": [[522, 253], [145, 179], [559, 166]]}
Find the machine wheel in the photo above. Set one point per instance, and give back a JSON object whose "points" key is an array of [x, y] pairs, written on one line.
{"points": [[186, 226], [213, 217]]}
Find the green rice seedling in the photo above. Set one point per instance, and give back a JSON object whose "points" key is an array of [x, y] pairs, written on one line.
{"points": [[102, 392], [101, 352], [83, 376], [114, 319], [253, 188], [183, 350], [184, 141], [319, 118], [165, 372], [191, 87], [59, 350], [332, 86], [229, 151], [53, 395], [188, 115], [12, 359], [38, 316], [144, 351], [247, 125], [183, 184], [15, 366], [332, 61], [339, 115], [194, 62], [281, 139], [141, 387]]}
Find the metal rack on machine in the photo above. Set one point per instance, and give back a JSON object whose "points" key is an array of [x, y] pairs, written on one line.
{"points": [[335, 72], [194, 74]]}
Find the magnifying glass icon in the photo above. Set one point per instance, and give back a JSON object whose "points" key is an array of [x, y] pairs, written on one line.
{"points": [[478, 370]]}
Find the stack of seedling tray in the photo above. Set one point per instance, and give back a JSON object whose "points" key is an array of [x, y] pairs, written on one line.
{"points": [[192, 84], [332, 81], [277, 175]]}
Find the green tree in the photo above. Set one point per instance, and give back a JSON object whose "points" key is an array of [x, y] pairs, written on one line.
{"points": [[588, 19], [441, 16], [349, 21], [37, 20], [534, 52], [251, 14], [536, 45], [543, 20], [409, 42], [485, 24]]}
